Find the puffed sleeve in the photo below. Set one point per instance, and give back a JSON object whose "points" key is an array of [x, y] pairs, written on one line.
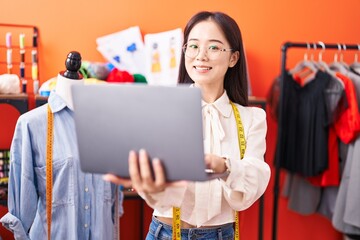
{"points": [[22, 194], [250, 176]]}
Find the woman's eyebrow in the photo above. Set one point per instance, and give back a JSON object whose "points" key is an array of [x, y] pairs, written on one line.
{"points": [[209, 40]]}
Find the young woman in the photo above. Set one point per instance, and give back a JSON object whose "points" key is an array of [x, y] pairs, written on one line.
{"points": [[213, 60]]}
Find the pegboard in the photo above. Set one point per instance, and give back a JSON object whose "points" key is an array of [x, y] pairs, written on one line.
{"points": [[19, 54]]}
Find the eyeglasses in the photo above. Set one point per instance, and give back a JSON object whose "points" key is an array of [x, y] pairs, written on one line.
{"points": [[191, 50]]}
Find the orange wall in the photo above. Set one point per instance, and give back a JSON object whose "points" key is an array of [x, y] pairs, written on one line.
{"points": [[75, 24]]}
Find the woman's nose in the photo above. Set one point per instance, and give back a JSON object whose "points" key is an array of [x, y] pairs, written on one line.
{"points": [[202, 54]]}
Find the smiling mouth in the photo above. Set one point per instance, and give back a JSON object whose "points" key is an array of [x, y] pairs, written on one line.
{"points": [[202, 68]]}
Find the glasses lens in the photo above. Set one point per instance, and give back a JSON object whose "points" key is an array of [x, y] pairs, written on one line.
{"points": [[213, 51], [191, 50]]}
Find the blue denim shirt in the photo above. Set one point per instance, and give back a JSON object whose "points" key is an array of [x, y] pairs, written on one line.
{"points": [[82, 204]]}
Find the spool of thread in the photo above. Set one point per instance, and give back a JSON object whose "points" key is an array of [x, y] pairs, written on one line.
{"points": [[22, 69], [22, 55], [34, 71], [8, 39], [34, 56], [36, 86], [9, 56], [24, 85], [9, 60], [22, 77], [22, 40], [35, 37]]}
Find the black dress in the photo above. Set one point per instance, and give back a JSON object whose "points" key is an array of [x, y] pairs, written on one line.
{"points": [[304, 141]]}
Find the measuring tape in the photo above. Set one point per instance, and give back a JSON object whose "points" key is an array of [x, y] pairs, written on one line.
{"points": [[4, 180], [176, 224], [242, 146], [240, 128], [49, 172]]}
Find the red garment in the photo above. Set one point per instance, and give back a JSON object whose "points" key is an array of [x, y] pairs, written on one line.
{"points": [[331, 176], [119, 76], [347, 127]]}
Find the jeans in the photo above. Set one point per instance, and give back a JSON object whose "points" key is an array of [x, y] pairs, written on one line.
{"points": [[162, 231]]}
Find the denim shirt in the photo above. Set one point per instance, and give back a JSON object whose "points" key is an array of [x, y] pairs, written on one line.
{"points": [[83, 204]]}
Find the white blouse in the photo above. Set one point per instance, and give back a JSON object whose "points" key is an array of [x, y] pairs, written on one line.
{"points": [[213, 202]]}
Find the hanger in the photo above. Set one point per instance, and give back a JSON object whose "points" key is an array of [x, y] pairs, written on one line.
{"points": [[305, 69], [339, 66], [324, 66], [342, 58], [355, 66], [305, 63]]}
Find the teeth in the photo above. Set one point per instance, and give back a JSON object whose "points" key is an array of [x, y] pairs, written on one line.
{"points": [[203, 68]]}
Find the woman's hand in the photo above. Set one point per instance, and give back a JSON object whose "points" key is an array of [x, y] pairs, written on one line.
{"points": [[215, 163], [141, 175], [142, 179]]}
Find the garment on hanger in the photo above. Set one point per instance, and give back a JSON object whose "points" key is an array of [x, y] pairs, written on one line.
{"points": [[346, 216], [304, 123], [348, 125], [355, 79]]}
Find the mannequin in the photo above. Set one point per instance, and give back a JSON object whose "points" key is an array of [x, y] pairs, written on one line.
{"points": [[71, 76], [84, 206]]}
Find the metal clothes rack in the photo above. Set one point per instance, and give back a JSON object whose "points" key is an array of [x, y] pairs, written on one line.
{"points": [[284, 49]]}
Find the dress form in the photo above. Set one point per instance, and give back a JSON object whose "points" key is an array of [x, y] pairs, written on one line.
{"points": [[71, 76]]}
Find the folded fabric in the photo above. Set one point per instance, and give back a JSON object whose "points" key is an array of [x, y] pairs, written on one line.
{"points": [[9, 84]]}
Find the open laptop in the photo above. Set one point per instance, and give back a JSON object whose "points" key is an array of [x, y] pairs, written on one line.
{"points": [[166, 121]]}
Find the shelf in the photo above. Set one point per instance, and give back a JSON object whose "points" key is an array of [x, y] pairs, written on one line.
{"points": [[19, 101]]}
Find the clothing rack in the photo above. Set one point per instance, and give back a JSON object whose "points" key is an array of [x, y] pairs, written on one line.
{"points": [[284, 49]]}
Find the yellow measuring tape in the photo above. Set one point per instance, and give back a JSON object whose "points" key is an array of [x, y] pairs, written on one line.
{"points": [[242, 146], [176, 228], [4, 180], [176, 224], [49, 172]]}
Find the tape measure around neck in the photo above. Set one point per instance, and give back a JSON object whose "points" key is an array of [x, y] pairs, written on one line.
{"points": [[242, 147], [240, 130], [176, 231], [49, 172]]}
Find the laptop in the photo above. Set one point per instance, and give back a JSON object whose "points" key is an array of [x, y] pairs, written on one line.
{"points": [[166, 121]]}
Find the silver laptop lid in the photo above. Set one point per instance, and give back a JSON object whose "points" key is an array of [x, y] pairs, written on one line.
{"points": [[166, 121]]}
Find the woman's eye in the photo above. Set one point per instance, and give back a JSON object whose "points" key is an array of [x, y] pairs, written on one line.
{"points": [[193, 46], [214, 48]]}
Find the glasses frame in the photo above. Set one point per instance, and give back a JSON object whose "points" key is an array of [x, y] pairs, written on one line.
{"points": [[184, 47]]}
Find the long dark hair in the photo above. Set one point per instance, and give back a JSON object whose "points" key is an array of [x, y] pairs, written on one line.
{"points": [[235, 82]]}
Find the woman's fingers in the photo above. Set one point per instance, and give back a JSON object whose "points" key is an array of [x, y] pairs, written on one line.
{"points": [[134, 171], [142, 178], [216, 163], [145, 168], [117, 180], [159, 174]]}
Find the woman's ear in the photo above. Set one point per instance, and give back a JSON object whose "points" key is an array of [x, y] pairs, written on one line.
{"points": [[234, 58]]}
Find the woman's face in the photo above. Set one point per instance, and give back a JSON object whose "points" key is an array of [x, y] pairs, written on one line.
{"points": [[209, 66]]}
